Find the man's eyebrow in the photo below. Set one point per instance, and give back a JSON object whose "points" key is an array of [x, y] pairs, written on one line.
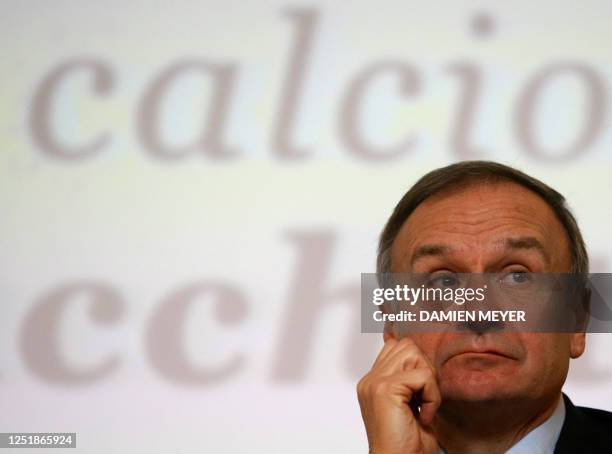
{"points": [[429, 250], [524, 242], [527, 242]]}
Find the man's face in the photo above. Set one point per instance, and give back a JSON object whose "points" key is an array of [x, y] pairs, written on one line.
{"points": [[489, 228]]}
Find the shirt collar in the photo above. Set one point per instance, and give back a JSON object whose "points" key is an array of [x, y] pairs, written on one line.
{"points": [[542, 439]]}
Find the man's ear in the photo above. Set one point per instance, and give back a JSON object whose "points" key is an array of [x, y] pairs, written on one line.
{"points": [[584, 309], [578, 340], [577, 344]]}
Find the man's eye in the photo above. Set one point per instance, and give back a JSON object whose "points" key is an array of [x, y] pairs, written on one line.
{"points": [[445, 280], [516, 278]]}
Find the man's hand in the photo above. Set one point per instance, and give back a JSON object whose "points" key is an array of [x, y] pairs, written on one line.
{"points": [[400, 377]]}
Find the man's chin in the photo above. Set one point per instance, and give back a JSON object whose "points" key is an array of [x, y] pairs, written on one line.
{"points": [[478, 387], [483, 395]]}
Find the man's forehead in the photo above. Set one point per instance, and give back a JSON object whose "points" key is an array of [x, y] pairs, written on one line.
{"points": [[482, 216]]}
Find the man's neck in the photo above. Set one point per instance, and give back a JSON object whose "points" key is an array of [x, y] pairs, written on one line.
{"points": [[489, 427]]}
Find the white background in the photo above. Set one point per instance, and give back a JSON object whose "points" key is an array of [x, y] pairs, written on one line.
{"points": [[147, 227]]}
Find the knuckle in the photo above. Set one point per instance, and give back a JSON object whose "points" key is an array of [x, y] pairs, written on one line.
{"points": [[379, 388]]}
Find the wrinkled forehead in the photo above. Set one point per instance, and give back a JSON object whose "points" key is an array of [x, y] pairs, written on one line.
{"points": [[481, 220]]}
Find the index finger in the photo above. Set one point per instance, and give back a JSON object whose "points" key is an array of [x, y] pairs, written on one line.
{"points": [[389, 344]]}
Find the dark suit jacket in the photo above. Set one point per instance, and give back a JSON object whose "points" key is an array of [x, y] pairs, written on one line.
{"points": [[585, 430]]}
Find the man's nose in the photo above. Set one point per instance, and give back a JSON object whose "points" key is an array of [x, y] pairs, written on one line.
{"points": [[481, 326], [484, 321]]}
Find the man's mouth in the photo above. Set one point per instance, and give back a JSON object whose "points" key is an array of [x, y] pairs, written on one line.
{"points": [[481, 353]]}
